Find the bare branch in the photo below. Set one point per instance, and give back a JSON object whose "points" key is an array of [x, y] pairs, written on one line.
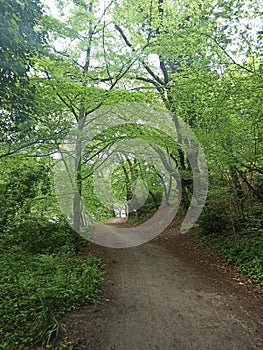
{"points": [[150, 81], [122, 74], [124, 37], [99, 151], [228, 55], [105, 55], [164, 70], [64, 54], [103, 14], [20, 148], [145, 65]]}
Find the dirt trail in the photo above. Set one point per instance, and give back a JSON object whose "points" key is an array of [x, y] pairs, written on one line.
{"points": [[158, 299]]}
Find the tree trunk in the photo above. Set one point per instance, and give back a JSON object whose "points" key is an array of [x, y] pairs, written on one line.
{"points": [[77, 210]]}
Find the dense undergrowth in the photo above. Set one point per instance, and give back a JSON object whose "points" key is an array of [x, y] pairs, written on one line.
{"points": [[245, 252], [235, 236], [41, 279]]}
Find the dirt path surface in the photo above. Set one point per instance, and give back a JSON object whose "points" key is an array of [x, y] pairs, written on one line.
{"points": [[116, 221], [169, 294]]}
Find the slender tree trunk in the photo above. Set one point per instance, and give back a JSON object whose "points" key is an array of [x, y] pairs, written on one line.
{"points": [[78, 221], [238, 191], [77, 210]]}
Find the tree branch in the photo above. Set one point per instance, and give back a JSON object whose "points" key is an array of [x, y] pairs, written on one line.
{"points": [[145, 65], [229, 56], [71, 108]]}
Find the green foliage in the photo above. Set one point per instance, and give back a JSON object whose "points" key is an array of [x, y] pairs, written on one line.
{"points": [[216, 216], [22, 181], [243, 247], [245, 254], [41, 275], [40, 235], [37, 289], [259, 186], [21, 39], [213, 219], [181, 55], [243, 251]]}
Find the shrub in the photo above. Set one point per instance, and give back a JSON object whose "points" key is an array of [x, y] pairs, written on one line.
{"points": [[245, 252], [40, 235], [259, 186], [214, 219], [242, 247], [222, 212]]}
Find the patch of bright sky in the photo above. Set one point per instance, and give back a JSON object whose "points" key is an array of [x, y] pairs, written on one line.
{"points": [[52, 9]]}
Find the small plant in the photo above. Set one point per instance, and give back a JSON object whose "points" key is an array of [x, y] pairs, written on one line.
{"points": [[37, 289]]}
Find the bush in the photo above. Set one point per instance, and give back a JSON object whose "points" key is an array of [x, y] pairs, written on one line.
{"points": [[40, 235], [214, 219], [36, 289], [222, 212], [242, 248], [216, 216], [259, 186], [242, 251]]}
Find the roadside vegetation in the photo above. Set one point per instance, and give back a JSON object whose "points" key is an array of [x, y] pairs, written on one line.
{"points": [[42, 275], [37, 289], [41, 279], [236, 234]]}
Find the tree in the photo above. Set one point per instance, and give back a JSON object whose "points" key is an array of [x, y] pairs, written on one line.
{"points": [[23, 182], [171, 53], [22, 38]]}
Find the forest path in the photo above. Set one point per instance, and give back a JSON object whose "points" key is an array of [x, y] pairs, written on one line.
{"points": [[169, 294], [116, 221]]}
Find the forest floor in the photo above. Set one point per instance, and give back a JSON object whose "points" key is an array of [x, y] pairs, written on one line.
{"points": [[171, 293]]}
